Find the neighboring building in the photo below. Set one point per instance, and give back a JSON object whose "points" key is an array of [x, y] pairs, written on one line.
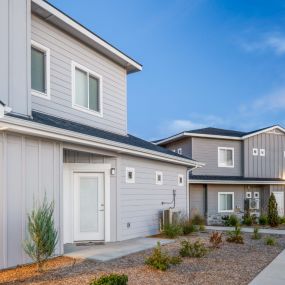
{"points": [[241, 169], [66, 136]]}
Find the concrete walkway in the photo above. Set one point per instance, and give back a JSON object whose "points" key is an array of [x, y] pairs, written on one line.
{"points": [[273, 274], [247, 230], [113, 250]]}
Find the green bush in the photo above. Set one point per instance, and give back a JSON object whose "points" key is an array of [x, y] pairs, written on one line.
{"points": [[161, 260], [112, 279], [202, 228], [273, 218], [281, 220], [43, 236], [173, 230], [235, 236], [198, 220], [232, 221], [248, 220], [270, 240], [256, 234], [187, 227], [263, 220], [196, 249]]}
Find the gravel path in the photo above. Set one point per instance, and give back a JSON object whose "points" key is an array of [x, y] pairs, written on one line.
{"points": [[231, 264]]}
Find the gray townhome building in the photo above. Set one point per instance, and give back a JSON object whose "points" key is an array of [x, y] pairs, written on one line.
{"points": [[241, 170], [63, 135]]}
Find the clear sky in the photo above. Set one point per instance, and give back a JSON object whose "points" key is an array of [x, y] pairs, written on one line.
{"points": [[217, 63]]}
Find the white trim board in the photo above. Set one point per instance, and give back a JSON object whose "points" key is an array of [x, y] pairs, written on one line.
{"points": [[36, 129], [235, 182]]}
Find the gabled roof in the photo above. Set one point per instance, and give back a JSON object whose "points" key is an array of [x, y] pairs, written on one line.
{"points": [[217, 133], [56, 17], [125, 143]]}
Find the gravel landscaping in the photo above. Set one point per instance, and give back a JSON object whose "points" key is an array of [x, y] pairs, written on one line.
{"points": [[230, 264]]}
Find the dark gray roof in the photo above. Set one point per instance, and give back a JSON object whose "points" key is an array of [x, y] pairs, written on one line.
{"points": [[61, 123], [218, 132], [232, 178]]}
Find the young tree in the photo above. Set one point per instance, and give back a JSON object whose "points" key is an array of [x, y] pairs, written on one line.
{"points": [[43, 236], [273, 219]]}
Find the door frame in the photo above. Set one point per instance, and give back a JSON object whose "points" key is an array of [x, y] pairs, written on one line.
{"points": [[68, 197]]}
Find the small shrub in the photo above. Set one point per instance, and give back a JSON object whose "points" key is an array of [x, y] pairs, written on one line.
{"points": [[232, 221], [172, 230], [188, 228], [248, 219], [263, 220], [235, 236], [202, 228], [216, 239], [273, 219], [256, 234], [196, 249], [161, 260], [43, 236], [270, 241], [281, 220], [112, 279], [198, 220]]}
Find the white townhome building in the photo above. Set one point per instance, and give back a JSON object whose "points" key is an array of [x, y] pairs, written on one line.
{"points": [[63, 134]]}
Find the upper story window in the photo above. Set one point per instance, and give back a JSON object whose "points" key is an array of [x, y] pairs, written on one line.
{"points": [[86, 90], [226, 157], [40, 70]]}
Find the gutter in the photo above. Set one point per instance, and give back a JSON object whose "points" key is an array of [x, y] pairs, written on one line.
{"points": [[36, 129], [237, 182]]}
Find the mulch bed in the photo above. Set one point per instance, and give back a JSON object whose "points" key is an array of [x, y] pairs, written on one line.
{"points": [[231, 264]]}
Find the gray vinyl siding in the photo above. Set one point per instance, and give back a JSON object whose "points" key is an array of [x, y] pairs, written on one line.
{"points": [[272, 164], [185, 144], [206, 150], [15, 55], [140, 203], [30, 169], [63, 50]]}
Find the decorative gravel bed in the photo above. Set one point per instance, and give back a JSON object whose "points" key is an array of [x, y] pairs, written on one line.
{"points": [[231, 264]]}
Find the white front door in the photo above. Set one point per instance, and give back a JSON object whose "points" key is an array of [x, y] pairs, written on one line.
{"points": [[279, 196], [88, 206]]}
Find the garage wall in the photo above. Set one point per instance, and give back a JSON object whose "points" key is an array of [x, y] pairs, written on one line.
{"points": [[29, 169], [140, 203]]}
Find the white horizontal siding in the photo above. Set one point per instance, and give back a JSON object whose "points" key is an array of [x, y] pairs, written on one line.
{"points": [[140, 203], [65, 49]]}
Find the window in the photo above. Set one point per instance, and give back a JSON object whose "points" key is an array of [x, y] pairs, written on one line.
{"points": [[130, 175], [86, 90], [40, 70], [225, 157], [179, 150], [226, 201], [255, 151], [180, 180], [159, 177], [262, 152]]}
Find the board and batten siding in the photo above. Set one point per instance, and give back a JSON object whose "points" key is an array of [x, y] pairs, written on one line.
{"points": [[30, 168], [63, 50], [271, 165], [206, 151], [140, 202]]}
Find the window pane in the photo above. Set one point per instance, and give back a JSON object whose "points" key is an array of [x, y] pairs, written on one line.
{"points": [[226, 202], [229, 202], [223, 202], [94, 103], [222, 156], [229, 157], [38, 70], [81, 88]]}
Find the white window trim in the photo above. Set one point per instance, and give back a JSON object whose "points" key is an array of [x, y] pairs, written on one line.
{"points": [[130, 169], [179, 150], [262, 152], [157, 173], [180, 176], [226, 148], [233, 200], [75, 65], [46, 50], [255, 151]]}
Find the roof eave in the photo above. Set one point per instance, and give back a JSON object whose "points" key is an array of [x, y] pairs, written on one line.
{"points": [[56, 17], [37, 129]]}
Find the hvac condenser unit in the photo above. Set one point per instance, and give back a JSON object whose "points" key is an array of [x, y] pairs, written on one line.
{"points": [[254, 204], [169, 216]]}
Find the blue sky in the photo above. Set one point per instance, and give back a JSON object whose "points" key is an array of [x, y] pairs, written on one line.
{"points": [[217, 63]]}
